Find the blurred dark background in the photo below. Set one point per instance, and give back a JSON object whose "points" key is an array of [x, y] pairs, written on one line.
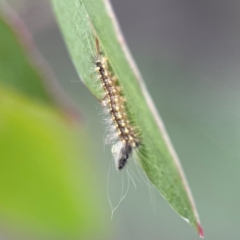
{"points": [[188, 52]]}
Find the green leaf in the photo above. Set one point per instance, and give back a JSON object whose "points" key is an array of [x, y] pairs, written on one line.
{"points": [[79, 19], [16, 69], [44, 180], [22, 67]]}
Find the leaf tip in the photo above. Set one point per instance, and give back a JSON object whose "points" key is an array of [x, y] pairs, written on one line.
{"points": [[200, 231]]}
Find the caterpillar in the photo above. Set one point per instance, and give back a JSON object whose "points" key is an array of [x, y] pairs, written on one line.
{"points": [[122, 134]]}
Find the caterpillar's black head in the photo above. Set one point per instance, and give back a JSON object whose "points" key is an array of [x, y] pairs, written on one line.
{"points": [[125, 152]]}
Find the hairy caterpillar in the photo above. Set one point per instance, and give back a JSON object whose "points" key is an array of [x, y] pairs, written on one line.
{"points": [[122, 134]]}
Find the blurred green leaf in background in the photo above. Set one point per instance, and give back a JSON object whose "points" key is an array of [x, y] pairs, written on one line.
{"points": [[45, 188]]}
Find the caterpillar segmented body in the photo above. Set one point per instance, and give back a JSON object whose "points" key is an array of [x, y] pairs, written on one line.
{"points": [[122, 134]]}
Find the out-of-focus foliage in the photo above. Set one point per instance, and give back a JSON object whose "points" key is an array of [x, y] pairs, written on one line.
{"points": [[44, 182], [16, 68]]}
